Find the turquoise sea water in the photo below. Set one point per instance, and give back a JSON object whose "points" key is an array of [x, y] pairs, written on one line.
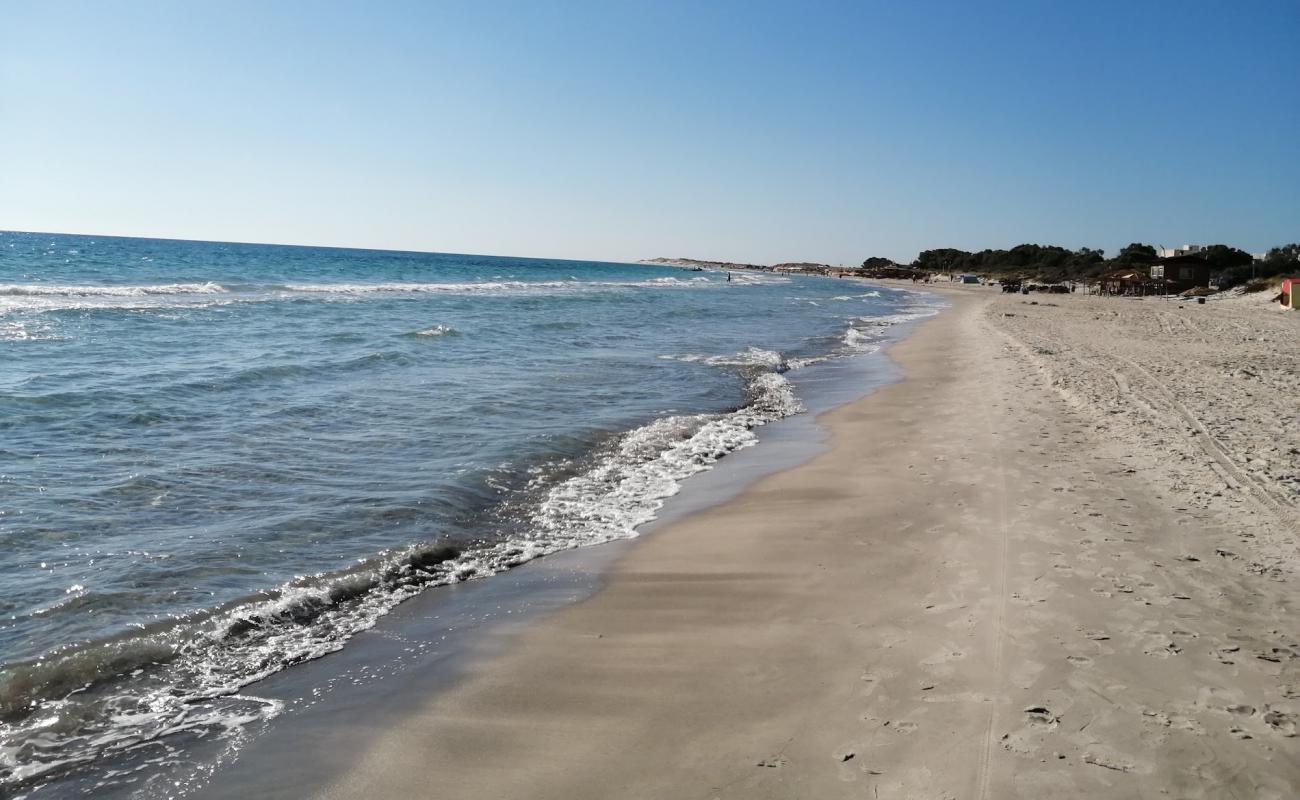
{"points": [[218, 460]]}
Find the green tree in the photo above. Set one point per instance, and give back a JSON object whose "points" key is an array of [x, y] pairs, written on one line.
{"points": [[1137, 253], [1221, 256], [877, 262], [945, 259], [1284, 258]]}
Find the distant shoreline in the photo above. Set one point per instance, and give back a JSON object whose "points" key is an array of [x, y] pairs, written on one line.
{"points": [[802, 267]]}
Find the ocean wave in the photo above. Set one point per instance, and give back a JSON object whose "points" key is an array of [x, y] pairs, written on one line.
{"points": [[435, 331], [749, 357], [757, 278], [21, 331], [56, 290], [42, 297], [858, 341], [487, 287], [908, 314], [628, 487]]}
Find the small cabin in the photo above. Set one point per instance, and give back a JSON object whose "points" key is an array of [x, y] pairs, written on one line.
{"points": [[1290, 288], [1181, 273]]}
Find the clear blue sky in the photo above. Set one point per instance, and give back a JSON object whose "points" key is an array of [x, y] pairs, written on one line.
{"points": [[622, 130]]}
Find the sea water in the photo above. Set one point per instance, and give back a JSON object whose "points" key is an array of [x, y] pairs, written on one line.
{"points": [[219, 460]]}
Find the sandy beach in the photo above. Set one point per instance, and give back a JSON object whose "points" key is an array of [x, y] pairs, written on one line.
{"points": [[1058, 558]]}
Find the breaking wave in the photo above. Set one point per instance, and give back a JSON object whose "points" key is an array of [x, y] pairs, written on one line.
{"points": [[55, 290], [43, 297], [435, 331], [487, 287]]}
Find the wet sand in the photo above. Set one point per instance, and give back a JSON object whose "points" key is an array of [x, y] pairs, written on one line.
{"points": [[994, 583]]}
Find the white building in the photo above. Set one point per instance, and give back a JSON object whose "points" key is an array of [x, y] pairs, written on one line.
{"points": [[1185, 250]]}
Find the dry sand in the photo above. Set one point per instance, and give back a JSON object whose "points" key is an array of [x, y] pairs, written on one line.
{"points": [[1057, 559]]}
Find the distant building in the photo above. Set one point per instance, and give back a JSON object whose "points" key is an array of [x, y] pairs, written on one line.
{"points": [[1185, 250], [1192, 249], [1182, 272]]}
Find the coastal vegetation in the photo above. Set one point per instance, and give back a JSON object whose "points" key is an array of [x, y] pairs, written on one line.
{"points": [[1229, 265], [1052, 263]]}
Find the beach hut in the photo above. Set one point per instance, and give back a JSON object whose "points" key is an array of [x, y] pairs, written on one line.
{"points": [[1290, 290], [1129, 282]]}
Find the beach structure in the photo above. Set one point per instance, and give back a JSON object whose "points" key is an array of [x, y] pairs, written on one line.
{"points": [[1130, 283], [968, 279], [1291, 288], [1183, 272]]}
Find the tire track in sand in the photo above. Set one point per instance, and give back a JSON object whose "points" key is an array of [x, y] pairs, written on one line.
{"points": [[985, 772]]}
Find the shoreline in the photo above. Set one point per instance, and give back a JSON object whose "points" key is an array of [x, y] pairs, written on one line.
{"points": [[447, 633], [620, 475], [943, 603]]}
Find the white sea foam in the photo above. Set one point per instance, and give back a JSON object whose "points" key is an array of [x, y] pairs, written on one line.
{"points": [[25, 331], [858, 341], [436, 330], [44, 297], [628, 487], [757, 278], [749, 357], [57, 290], [488, 287]]}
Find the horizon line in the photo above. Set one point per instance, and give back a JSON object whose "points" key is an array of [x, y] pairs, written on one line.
{"points": [[316, 246]]}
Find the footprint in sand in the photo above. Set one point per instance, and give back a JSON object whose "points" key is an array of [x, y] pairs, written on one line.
{"points": [[1164, 650], [1042, 716], [1079, 661], [1281, 722], [870, 683], [1224, 655], [1276, 654]]}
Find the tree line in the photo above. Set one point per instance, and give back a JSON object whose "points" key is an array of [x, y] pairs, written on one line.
{"points": [[1051, 263]]}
